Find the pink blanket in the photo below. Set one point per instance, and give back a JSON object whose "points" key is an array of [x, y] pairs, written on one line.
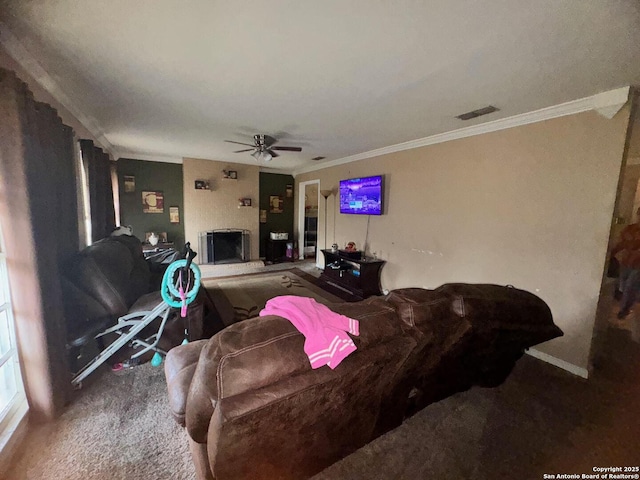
{"points": [[325, 332]]}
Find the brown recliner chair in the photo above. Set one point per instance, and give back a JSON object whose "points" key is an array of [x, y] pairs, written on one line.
{"points": [[106, 280], [253, 408]]}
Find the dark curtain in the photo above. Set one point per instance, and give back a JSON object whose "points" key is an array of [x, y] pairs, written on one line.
{"points": [[39, 215], [98, 170]]}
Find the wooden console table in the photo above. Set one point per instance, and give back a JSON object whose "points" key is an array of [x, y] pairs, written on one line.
{"points": [[360, 276], [276, 251], [148, 249]]}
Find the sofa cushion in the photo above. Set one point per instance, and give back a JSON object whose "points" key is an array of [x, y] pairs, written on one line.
{"points": [[433, 314], [418, 306], [146, 302], [378, 320], [179, 367], [492, 309]]}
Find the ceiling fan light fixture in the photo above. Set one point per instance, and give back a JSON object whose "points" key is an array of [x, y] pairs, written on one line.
{"points": [[262, 156], [264, 148], [266, 156]]}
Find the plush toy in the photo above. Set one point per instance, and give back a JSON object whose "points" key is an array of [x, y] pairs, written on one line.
{"points": [[351, 247], [122, 230]]}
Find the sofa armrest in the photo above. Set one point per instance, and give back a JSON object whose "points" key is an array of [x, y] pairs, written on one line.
{"points": [[179, 367]]}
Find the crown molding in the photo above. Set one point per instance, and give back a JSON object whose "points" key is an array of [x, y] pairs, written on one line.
{"points": [[150, 157], [609, 103], [606, 103], [279, 171], [27, 61]]}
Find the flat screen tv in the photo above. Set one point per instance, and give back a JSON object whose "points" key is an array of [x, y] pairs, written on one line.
{"points": [[362, 196]]}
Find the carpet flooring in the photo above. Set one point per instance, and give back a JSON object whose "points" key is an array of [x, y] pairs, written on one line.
{"points": [[542, 420], [241, 297], [118, 427]]}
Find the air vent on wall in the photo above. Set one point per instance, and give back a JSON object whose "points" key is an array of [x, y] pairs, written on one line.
{"points": [[318, 158], [478, 113]]}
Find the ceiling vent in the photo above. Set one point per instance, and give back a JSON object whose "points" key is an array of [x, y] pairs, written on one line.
{"points": [[318, 158], [478, 113]]}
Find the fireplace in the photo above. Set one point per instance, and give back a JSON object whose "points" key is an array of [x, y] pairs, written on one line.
{"points": [[224, 246]]}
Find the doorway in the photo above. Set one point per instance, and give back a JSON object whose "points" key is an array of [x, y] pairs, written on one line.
{"points": [[614, 337], [308, 219]]}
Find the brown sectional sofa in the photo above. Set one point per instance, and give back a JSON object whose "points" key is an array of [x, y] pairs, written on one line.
{"points": [[254, 408]]}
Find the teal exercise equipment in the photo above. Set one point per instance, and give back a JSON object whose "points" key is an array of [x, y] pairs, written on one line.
{"points": [[171, 294], [156, 361], [178, 293]]}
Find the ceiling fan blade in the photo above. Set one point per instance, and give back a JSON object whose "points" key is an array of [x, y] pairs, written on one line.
{"points": [[268, 140], [240, 143], [273, 154], [245, 150], [288, 149]]}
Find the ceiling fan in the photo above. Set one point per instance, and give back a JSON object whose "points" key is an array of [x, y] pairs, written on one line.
{"points": [[264, 147]]}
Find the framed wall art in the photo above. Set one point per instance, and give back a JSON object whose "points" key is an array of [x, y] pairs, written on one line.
{"points": [[174, 214], [275, 204], [152, 202], [129, 183]]}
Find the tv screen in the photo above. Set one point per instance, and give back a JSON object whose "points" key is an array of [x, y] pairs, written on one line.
{"points": [[361, 196]]}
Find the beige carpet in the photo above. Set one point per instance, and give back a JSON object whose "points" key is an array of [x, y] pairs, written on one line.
{"points": [[242, 297], [117, 428]]}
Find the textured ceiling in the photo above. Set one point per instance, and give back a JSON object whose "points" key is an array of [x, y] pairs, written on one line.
{"points": [[172, 78]]}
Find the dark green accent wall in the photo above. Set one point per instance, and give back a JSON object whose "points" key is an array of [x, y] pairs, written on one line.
{"points": [[275, 184], [152, 176]]}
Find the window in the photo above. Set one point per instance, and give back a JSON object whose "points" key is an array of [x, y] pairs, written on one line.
{"points": [[12, 398], [116, 191]]}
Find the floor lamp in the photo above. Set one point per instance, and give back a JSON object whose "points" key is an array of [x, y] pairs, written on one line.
{"points": [[325, 194]]}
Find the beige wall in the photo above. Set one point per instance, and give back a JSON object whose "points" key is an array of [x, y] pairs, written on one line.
{"points": [[529, 206], [218, 208], [311, 196]]}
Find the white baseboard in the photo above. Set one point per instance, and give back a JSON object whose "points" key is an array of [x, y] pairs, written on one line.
{"points": [[569, 367]]}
